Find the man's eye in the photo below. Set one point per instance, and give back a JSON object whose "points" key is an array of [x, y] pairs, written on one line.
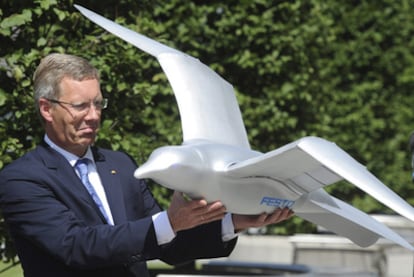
{"points": [[98, 104], [81, 106]]}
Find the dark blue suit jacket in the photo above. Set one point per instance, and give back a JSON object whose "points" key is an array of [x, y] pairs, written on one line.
{"points": [[59, 231]]}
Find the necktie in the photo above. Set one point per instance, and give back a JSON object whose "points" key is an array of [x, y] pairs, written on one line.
{"points": [[82, 168]]}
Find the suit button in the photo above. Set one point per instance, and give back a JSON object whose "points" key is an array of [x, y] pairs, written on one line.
{"points": [[136, 258]]}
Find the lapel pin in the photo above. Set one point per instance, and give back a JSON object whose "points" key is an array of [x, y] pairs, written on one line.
{"points": [[113, 171]]}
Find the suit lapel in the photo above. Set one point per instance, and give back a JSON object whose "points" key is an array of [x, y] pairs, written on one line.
{"points": [[112, 184], [61, 167]]}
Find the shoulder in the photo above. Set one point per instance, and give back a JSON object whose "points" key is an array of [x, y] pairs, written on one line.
{"points": [[27, 160], [31, 164]]}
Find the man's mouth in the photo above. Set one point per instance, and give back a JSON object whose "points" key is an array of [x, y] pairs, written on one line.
{"points": [[88, 129]]}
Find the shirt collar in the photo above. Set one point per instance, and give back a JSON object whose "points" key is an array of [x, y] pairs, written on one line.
{"points": [[71, 158]]}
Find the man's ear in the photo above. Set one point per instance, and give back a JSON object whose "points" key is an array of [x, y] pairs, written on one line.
{"points": [[45, 109]]}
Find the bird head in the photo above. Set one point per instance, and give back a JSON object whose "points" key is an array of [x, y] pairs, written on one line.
{"points": [[175, 167]]}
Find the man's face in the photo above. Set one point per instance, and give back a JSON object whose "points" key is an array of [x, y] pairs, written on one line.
{"points": [[73, 120]]}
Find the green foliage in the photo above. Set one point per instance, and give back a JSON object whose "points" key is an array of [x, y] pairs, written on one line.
{"points": [[341, 70]]}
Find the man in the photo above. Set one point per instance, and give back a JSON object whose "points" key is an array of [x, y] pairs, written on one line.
{"points": [[93, 218]]}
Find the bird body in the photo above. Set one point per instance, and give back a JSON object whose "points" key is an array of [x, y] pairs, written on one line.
{"points": [[203, 170]]}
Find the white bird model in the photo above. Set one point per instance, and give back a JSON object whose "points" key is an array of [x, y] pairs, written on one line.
{"points": [[215, 160]]}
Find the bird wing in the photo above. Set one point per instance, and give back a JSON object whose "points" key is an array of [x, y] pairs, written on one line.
{"points": [[345, 220], [307, 166], [207, 103], [144, 43], [311, 163]]}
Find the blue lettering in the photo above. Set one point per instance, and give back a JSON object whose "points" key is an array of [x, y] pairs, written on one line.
{"points": [[277, 202]]}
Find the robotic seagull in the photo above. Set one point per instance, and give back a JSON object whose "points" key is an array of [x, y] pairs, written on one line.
{"points": [[216, 162]]}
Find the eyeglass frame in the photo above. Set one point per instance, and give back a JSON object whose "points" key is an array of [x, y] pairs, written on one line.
{"points": [[81, 107]]}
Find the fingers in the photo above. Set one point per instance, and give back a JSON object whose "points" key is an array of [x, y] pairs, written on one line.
{"points": [[278, 216], [191, 203], [242, 222], [185, 214], [210, 212]]}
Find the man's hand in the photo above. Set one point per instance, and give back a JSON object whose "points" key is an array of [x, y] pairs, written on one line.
{"points": [[242, 222], [185, 214]]}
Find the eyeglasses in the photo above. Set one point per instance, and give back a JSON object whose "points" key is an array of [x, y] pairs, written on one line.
{"points": [[84, 106]]}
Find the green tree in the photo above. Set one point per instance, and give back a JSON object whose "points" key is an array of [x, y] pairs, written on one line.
{"points": [[341, 70]]}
